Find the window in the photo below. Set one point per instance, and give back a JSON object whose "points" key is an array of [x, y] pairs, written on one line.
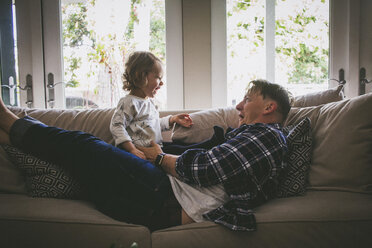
{"points": [[284, 41], [97, 38], [8, 52]]}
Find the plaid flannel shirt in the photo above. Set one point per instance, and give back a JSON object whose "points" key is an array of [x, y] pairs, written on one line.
{"points": [[247, 165]]}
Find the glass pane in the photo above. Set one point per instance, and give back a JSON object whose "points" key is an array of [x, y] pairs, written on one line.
{"points": [[301, 45], [245, 46], [98, 35]]}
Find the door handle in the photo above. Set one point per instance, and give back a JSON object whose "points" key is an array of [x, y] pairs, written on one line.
{"points": [[363, 81], [50, 87]]}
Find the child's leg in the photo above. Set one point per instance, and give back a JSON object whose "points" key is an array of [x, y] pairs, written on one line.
{"points": [[179, 148]]}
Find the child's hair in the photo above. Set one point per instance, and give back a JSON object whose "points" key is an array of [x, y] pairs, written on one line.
{"points": [[138, 65]]}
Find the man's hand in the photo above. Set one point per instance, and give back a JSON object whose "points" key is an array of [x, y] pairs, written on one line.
{"points": [[181, 119], [151, 152], [169, 161]]}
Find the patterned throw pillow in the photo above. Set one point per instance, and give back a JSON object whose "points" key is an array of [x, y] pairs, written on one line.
{"points": [[294, 179], [44, 179]]}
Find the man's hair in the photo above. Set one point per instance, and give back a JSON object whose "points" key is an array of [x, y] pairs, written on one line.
{"points": [[273, 91], [138, 65]]}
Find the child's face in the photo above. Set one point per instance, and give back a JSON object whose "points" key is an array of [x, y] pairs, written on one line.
{"points": [[154, 81]]}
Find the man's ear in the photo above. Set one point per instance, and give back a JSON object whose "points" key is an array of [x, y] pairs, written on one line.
{"points": [[270, 107]]}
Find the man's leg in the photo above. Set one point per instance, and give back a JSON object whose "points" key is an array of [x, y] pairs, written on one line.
{"points": [[121, 184], [7, 118]]}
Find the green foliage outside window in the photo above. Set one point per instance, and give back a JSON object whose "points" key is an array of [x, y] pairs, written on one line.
{"points": [[307, 63], [78, 33]]}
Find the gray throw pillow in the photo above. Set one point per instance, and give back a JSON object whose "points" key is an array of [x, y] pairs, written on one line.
{"points": [[44, 179], [293, 181], [317, 98]]}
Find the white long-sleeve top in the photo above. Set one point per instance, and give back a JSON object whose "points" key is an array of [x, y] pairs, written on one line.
{"points": [[137, 120]]}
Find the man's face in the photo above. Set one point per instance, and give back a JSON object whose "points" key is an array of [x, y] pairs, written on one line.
{"points": [[251, 108]]}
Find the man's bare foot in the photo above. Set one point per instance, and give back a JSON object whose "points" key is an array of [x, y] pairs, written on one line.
{"points": [[7, 118]]}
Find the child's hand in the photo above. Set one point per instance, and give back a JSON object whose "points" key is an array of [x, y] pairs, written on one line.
{"points": [[182, 119], [138, 153], [129, 147], [151, 152]]}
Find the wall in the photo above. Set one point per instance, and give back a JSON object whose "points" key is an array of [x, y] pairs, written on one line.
{"points": [[197, 53]]}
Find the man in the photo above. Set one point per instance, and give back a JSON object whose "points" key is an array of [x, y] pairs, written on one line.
{"points": [[226, 181], [246, 165]]}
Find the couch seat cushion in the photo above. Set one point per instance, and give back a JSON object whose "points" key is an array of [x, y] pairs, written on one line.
{"points": [[321, 206], [43, 222], [317, 219]]}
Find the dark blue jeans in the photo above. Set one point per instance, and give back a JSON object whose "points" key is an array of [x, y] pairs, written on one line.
{"points": [[121, 185]]}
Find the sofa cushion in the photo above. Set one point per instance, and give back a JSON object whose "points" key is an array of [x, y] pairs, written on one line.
{"points": [[294, 179], [44, 179], [318, 98], [93, 121], [203, 124], [60, 223], [342, 150], [11, 179], [318, 219]]}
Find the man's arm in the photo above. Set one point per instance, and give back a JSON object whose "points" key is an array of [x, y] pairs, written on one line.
{"points": [[210, 167], [195, 166], [169, 164]]}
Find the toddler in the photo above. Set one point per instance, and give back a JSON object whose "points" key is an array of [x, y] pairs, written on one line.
{"points": [[136, 119]]}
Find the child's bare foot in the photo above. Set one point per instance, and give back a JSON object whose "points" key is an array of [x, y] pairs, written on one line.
{"points": [[7, 118]]}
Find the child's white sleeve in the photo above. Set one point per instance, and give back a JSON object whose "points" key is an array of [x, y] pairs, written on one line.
{"points": [[164, 123], [119, 121]]}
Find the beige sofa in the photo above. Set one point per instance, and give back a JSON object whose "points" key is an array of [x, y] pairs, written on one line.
{"points": [[336, 210]]}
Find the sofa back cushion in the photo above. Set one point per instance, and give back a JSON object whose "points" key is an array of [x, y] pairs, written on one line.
{"points": [[342, 140], [342, 147], [93, 121], [203, 124], [228, 117], [317, 98]]}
